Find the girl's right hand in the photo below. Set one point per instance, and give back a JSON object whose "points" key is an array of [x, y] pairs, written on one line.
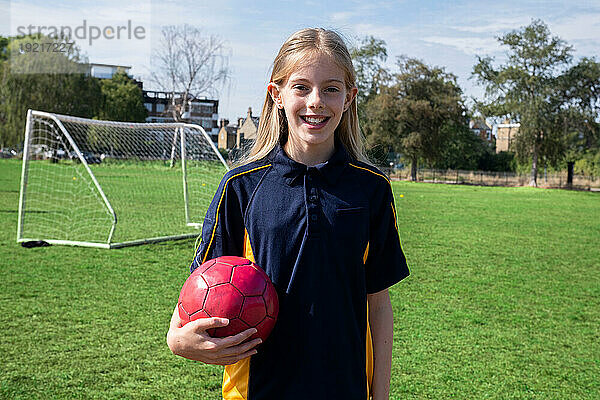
{"points": [[193, 342]]}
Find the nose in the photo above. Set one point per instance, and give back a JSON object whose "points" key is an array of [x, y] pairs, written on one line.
{"points": [[315, 100]]}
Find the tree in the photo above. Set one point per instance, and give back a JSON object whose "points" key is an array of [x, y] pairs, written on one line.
{"points": [[417, 113], [3, 48], [189, 64], [370, 74], [122, 99], [464, 150], [48, 81], [580, 89], [526, 88]]}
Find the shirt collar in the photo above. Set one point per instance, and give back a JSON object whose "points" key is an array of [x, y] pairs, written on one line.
{"points": [[291, 170]]}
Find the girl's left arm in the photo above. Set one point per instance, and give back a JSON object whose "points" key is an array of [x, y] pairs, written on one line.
{"points": [[381, 321]]}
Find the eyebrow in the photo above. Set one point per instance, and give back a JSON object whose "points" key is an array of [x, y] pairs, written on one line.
{"points": [[326, 81]]}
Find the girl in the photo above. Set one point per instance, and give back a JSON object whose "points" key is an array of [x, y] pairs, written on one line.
{"points": [[321, 222]]}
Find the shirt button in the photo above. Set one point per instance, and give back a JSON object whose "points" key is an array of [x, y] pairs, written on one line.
{"points": [[313, 217], [312, 198]]}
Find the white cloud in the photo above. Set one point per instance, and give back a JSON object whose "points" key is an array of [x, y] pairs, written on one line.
{"points": [[342, 16], [582, 31], [493, 27], [467, 45]]}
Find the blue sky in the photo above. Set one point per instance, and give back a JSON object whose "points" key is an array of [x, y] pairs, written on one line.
{"points": [[442, 33]]}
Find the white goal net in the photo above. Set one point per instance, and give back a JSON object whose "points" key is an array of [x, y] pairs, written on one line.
{"points": [[112, 184]]}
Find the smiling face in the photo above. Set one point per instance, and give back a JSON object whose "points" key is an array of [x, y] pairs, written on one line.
{"points": [[314, 98]]}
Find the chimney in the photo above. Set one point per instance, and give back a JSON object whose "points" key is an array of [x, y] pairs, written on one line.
{"points": [[250, 112]]}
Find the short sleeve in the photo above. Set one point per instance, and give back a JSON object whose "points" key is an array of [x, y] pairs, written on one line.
{"points": [[222, 228], [385, 264]]}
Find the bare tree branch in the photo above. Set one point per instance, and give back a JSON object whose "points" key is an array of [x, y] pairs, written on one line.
{"points": [[189, 64]]}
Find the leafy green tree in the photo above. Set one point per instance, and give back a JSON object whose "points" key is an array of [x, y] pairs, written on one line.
{"points": [[54, 82], [380, 125], [368, 59], [580, 88], [526, 88], [122, 99], [417, 112], [464, 150], [588, 164], [3, 48]]}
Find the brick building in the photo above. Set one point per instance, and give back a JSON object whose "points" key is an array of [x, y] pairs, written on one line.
{"points": [[247, 130], [227, 135], [505, 134]]}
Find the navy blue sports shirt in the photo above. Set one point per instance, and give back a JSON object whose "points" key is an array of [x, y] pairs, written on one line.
{"points": [[326, 236]]}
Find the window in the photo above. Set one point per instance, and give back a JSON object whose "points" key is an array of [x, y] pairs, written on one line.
{"points": [[148, 106], [160, 107], [207, 123], [202, 108]]}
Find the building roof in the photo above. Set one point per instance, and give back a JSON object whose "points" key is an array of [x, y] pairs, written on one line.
{"points": [[109, 65], [255, 120], [513, 125], [479, 124]]}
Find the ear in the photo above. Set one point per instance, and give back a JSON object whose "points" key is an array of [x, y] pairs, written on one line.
{"points": [[350, 96], [275, 94]]}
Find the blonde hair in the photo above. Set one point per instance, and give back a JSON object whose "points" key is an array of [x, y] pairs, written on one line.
{"points": [[273, 126]]}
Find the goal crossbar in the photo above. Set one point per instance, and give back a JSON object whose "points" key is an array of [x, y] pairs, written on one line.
{"points": [[82, 180]]}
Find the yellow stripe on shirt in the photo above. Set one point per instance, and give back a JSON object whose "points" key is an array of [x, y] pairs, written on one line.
{"points": [[236, 376], [212, 236]]}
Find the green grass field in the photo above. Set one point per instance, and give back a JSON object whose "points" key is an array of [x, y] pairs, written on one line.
{"points": [[503, 302]]}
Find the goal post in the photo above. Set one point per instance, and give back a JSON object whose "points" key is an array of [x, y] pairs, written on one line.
{"points": [[112, 184]]}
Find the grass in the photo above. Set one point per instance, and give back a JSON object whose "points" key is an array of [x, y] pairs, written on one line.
{"points": [[503, 302], [504, 297]]}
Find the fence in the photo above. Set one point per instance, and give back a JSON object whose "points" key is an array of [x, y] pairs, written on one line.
{"points": [[486, 178]]}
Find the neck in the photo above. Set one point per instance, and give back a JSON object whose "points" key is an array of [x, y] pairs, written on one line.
{"points": [[307, 154]]}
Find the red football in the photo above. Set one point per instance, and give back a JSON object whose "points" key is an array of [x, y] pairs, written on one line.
{"points": [[234, 288]]}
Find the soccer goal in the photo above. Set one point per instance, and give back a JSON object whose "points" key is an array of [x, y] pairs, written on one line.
{"points": [[113, 184]]}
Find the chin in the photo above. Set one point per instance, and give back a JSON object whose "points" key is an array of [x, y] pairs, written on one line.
{"points": [[316, 139]]}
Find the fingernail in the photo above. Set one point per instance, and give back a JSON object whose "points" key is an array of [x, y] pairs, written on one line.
{"points": [[224, 321]]}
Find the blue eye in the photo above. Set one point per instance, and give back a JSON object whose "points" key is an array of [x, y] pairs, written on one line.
{"points": [[332, 89], [299, 87]]}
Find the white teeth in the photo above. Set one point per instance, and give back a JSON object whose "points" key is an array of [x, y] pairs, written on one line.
{"points": [[312, 120]]}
